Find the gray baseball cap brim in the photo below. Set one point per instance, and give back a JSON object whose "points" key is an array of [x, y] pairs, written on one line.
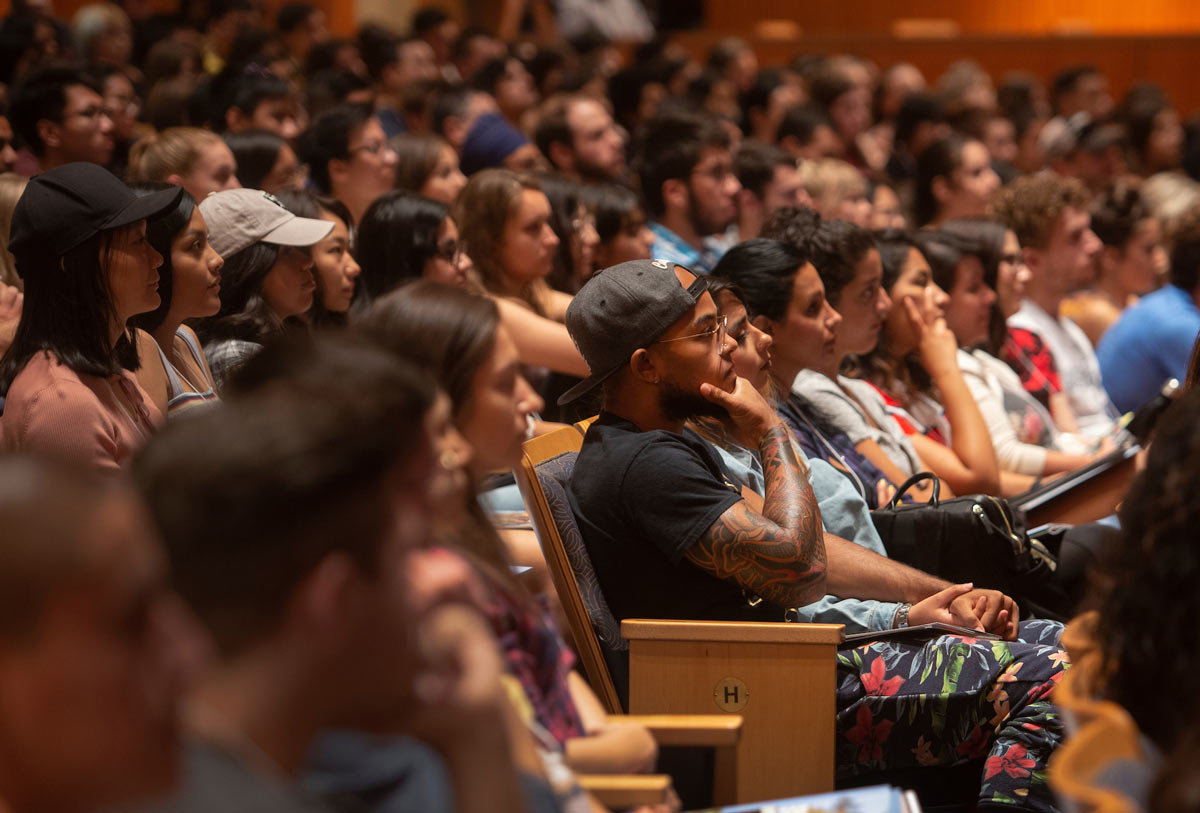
{"points": [[587, 385], [301, 231]]}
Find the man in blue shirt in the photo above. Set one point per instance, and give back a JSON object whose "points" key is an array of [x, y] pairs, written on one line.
{"points": [[686, 166], [1152, 341]]}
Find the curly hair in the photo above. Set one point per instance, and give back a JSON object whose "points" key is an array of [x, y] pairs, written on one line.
{"points": [[1152, 574], [1030, 205], [794, 225], [836, 249]]}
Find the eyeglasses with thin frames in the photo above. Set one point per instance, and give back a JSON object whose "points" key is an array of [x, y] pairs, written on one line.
{"points": [[719, 330], [378, 148]]}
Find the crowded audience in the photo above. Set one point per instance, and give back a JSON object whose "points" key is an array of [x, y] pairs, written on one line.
{"points": [[279, 309]]}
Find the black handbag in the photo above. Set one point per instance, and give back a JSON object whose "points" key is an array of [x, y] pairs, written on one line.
{"points": [[978, 539]]}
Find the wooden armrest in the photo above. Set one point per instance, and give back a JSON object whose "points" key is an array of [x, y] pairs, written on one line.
{"points": [[703, 730], [637, 629], [618, 791]]}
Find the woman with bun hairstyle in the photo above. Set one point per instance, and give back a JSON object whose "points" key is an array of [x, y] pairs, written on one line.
{"points": [[196, 159], [79, 242], [267, 278]]}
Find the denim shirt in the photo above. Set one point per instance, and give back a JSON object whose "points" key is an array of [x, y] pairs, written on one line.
{"points": [[671, 247], [844, 514]]}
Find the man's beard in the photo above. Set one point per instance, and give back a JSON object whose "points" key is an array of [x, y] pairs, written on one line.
{"points": [[594, 173], [704, 226], [679, 404]]}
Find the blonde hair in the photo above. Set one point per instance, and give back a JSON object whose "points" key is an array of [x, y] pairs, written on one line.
{"points": [[830, 180], [1169, 196], [95, 20], [174, 151], [11, 188]]}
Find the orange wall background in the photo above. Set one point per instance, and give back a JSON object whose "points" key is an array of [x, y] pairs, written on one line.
{"points": [[972, 16], [1171, 61], [1152, 40]]}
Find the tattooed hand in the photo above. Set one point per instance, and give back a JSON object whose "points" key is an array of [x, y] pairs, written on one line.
{"points": [[751, 413]]}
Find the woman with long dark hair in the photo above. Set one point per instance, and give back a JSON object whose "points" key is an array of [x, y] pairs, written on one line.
{"points": [[174, 371], [986, 285], [620, 218], [954, 179], [335, 268], [915, 368], [575, 226], [79, 242]]}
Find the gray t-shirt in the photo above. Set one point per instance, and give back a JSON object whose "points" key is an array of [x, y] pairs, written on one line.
{"points": [[855, 408], [215, 778]]}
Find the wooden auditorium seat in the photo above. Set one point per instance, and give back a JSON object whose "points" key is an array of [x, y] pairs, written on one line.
{"points": [[779, 677]]}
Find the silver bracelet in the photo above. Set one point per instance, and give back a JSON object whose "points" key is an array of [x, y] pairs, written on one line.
{"points": [[901, 620]]}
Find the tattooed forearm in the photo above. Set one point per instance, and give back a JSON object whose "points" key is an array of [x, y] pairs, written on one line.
{"points": [[780, 554]]}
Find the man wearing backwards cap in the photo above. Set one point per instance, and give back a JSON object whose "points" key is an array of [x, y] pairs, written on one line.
{"points": [[670, 536]]}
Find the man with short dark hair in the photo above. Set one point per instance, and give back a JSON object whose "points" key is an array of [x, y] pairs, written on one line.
{"points": [[297, 517], [577, 134], [455, 111], [686, 168], [300, 26], [58, 113], [807, 134], [770, 181], [1081, 89], [91, 660], [440, 31], [348, 156], [1153, 340], [395, 64], [225, 19], [257, 102], [1092, 151], [474, 48]]}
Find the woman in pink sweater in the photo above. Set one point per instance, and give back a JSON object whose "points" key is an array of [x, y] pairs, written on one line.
{"points": [[79, 240]]}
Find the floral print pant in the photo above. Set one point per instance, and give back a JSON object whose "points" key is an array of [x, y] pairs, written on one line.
{"points": [[954, 699]]}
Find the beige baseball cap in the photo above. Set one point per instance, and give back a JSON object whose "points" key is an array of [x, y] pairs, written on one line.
{"points": [[239, 218]]}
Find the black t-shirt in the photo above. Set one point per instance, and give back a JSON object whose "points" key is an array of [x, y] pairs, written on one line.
{"points": [[642, 499]]}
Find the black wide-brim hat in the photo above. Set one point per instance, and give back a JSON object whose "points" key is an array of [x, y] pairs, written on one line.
{"points": [[64, 206]]}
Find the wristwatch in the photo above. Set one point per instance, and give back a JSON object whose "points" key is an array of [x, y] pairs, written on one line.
{"points": [[901, 617]]}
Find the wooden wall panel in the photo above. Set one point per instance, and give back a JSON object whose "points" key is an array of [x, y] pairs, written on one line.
{"points": [[1171, 61], [972, 16]]}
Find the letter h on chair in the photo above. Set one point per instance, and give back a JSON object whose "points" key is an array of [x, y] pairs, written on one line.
{"points": [[780, 678]]}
